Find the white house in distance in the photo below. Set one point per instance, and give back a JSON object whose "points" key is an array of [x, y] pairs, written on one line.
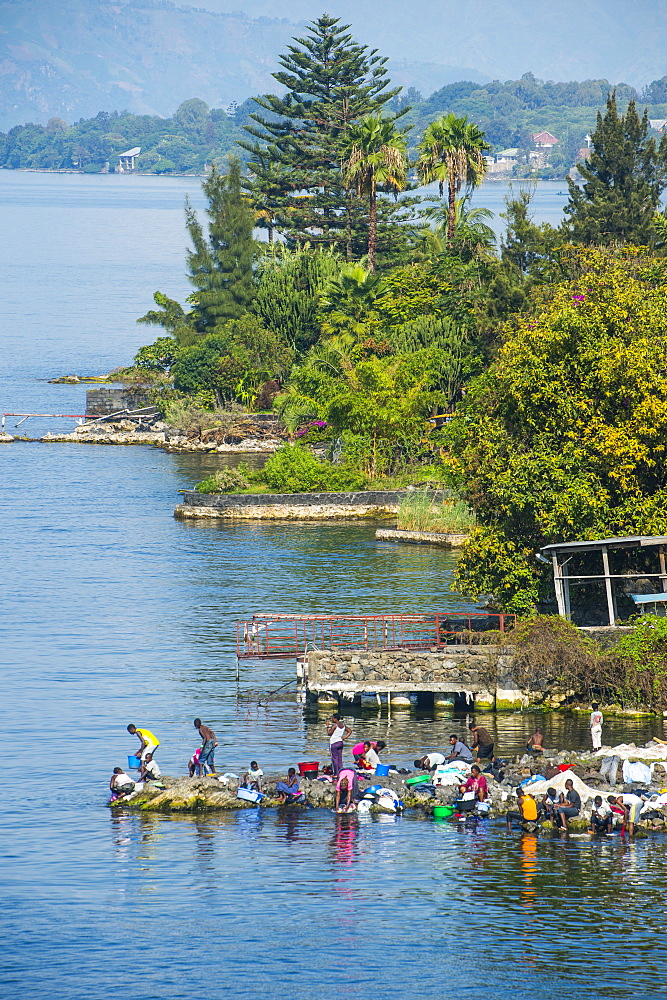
{"points": [[126, 160], [658, 124]]}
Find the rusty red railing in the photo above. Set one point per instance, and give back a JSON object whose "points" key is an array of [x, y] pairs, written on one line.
{"points": [[287, 636]]}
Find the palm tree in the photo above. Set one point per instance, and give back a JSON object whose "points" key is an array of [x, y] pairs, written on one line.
{"points": [[452, 151], [375, 156], [473, 239], [346, 301]]}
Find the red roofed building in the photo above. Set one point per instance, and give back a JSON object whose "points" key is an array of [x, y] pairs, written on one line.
{"points": [[544, 140]]}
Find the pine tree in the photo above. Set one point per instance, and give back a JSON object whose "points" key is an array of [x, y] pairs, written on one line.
{"points": [[623, 181], [331, 82], [220, 264]]}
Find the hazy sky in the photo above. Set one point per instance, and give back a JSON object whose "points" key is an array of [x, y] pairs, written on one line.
{"points": [[555, 39]]}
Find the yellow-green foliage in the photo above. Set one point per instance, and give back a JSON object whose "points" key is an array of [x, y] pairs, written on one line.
{"points": [[565, 435]]}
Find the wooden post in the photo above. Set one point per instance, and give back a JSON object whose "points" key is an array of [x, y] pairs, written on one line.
{"points": [[663, 569], [558, 586], [611, 602]]}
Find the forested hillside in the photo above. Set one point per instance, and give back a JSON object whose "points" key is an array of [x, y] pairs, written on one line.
{"points": [[196, 135]]}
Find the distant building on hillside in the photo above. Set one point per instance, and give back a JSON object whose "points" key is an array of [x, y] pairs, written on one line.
{"points": [[544, 140], [658, 124], [508, 156], [126, 160]]}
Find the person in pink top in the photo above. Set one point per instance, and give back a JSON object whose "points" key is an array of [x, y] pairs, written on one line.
{"points": [[346, 787], [358, 748]]}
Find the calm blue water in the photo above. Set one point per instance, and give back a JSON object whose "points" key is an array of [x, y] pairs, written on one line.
{"points": [[113, 612]]}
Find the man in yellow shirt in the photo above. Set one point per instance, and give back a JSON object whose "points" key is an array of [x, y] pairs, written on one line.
{"points": [[527, 810], [149, 742]]}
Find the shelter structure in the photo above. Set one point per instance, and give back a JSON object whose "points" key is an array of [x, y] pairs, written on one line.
{"points": [[126, 160], [561, 554]]}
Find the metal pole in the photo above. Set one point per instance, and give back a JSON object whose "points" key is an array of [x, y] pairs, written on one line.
{"points": [[565, 583]]}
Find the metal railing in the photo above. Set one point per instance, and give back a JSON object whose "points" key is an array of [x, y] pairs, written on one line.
{"points": [[287, 636]]}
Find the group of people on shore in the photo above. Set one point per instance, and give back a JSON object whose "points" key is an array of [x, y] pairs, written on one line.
{"points": [[559, 807], [201, 762]]}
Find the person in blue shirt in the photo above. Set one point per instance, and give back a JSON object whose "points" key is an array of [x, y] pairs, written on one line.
{"points": [[459, 751]]}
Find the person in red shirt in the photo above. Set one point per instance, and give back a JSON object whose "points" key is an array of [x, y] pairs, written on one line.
{"points": [[476, 783]]}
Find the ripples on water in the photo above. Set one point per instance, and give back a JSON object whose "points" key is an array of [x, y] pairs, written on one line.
{"points": [[114, 612]]}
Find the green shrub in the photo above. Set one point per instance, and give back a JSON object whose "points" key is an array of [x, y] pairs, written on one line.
{"points": [[158, 356], [225, 480], [294, 469]]}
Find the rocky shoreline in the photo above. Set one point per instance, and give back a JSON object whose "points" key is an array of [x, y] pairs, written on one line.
{"points": [[161, 435], [209, 795]]}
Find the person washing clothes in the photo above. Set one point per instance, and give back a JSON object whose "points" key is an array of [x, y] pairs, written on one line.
{"points": [[337, 732], [347, 787], [483, 742], [595, 723], [459, 751], [253, 777], [120, 784]]}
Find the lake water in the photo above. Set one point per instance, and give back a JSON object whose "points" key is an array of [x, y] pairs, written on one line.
{"points": [[114, 612]]}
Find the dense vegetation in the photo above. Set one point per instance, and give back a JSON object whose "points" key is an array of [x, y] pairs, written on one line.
{"points": [[507, 112], [532, 381]]}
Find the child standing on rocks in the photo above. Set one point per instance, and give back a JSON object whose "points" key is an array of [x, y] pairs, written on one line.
{"points": [[595, 724]]}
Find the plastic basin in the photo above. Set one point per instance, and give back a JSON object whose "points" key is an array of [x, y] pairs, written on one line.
{"points": [[133, 761], [418, 779], [249, 795], [442, 812], [309, 769]]}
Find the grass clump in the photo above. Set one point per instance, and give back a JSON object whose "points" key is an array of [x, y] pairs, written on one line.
{"points": [[418, 512], [225, 480]]}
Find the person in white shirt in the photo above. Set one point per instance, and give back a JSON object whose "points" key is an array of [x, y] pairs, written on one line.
{"points": [[253, 777], [370, 757], [595, 724], [430, 761], [602, 818], [337, 731], [150, 770], [631, 805], [120, 784]]}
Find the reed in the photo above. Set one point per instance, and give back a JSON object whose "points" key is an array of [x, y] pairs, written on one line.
{"points": [[418, 513]]}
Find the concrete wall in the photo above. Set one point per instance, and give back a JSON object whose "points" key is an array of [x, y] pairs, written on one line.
{"points": [[102, 402], [290, 506], [364, 498], [483, 672]]}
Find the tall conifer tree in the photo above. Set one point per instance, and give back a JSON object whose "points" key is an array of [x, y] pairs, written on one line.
{"points": [[220, 265], [331, 81], [623, 181]]}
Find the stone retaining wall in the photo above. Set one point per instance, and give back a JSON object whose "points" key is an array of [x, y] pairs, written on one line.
{"points": [[448, 539], [291, 506], [102, 402], [481, 672]]}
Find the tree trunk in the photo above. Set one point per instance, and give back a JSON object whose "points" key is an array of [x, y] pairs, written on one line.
{"points": [[451, 213], [372, 227], [348, 225]]}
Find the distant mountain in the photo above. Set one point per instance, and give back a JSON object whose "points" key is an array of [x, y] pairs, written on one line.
{"points": [[72, 58], [554, 39]]}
